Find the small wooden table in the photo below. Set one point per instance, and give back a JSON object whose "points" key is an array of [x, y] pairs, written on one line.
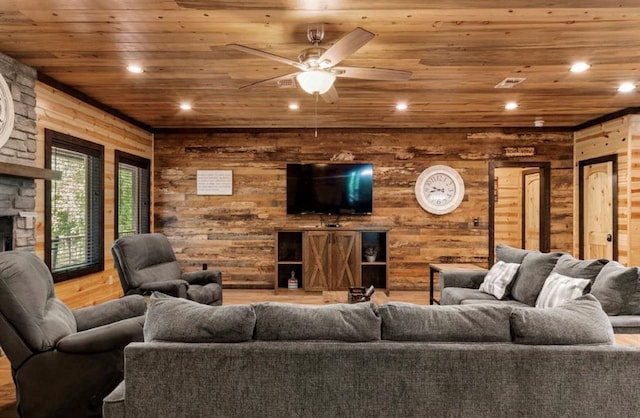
{"points": [[439, 267]]}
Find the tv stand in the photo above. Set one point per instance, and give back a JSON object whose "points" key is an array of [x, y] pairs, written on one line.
{"points": [[332, 257]]}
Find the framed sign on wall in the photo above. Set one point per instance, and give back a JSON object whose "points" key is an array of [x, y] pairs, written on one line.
{"points": [[214, 182]]}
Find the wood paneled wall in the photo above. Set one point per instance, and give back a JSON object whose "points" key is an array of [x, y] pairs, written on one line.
{"points": [[235, 233], [60, 112], [622, 137]]}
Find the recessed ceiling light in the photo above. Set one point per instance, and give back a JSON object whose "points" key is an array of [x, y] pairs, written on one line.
{"points": [[185, 106], [579, 67], [294, 106], [626, 87], [134, 68], [402, 106], [511, 105]]}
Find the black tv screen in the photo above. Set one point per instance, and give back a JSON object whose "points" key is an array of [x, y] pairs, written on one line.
{"points": [[332, 189]]}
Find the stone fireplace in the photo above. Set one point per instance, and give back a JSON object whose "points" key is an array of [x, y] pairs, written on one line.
{"points": [[17, 213]]}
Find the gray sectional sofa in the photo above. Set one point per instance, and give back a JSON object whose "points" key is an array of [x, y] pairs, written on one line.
{"points": [[615, 286], [364, 360]]}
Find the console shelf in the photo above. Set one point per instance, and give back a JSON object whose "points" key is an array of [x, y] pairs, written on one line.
{"points": [[331, 259]]}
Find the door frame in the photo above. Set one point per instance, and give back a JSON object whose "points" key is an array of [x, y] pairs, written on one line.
{"points": [[545, 202], [613, 158]]}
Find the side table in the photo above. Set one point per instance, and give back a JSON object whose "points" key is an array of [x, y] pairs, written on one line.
{"points": [[439, 267]]}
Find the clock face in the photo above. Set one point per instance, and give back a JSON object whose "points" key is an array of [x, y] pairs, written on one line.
{"points": [[6, 112], [439, 189]]}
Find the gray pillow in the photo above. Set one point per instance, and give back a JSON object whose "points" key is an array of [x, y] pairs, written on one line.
{"points": [[577, 321], [616, 287], [451, 323], [510, 254], [534, 270], [181, 320], [584, 269], [341, 321]]}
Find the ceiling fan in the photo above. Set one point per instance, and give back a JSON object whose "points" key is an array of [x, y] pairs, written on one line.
{"points": [[318, 67]]}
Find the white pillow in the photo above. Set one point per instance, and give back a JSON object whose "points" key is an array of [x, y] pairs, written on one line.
{"points": [[498, 278], [559, 288]]}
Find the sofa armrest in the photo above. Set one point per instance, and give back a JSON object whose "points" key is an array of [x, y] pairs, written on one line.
{"points": [[108, 312], [104, 338], [203, 277], [461, 278], [177, 288], [113, 403]]}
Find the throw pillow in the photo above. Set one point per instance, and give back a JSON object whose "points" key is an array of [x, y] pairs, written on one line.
{"points": [[558, 289], [577, 321], [357, 322], [510, 254], [534, 270], [617, 289], [498, 279], [452, 323], [585, 269], [182, 320]]}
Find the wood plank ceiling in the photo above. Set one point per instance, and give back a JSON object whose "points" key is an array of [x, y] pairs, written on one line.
{"points": [[457, 51]]}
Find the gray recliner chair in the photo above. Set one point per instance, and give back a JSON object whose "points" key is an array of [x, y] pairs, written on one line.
{"points": [[63, 362], [146, 263]]}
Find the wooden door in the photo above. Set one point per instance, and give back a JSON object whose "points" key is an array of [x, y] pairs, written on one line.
{"points": [[531, 209], [598, 208], [345, 260], [317, 260]]}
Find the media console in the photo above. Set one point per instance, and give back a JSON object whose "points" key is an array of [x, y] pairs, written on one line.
{"points": [[332, 258]]}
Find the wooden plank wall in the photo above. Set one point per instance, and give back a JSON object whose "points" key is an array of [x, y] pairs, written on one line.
{"points": [[235, 233], [60, 112], [615, 137]]}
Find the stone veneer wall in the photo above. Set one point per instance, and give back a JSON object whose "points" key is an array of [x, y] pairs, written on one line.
{"points": [[18, 195]]}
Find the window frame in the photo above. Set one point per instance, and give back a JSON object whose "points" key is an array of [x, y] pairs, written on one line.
{"points": [[71, 143], [139, 162]]}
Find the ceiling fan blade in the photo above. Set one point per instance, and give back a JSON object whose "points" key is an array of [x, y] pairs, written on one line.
{"points": [[382, 74], [290, 76], [346, 46], [331, 95], [267, 55]]}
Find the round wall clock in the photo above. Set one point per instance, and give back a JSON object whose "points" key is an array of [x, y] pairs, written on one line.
{"points": [[439, 189], [6, 112]]}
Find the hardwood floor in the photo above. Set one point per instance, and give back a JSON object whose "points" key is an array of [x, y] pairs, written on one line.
{"points": [[240, 296]]}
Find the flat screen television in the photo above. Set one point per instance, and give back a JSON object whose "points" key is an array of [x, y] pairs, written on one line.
{"points": [[330, 188]]}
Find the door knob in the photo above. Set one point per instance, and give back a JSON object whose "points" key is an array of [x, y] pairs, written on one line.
{"points": [[609, 237]]}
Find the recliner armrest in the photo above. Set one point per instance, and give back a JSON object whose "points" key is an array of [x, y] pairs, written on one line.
{"points": [[461, 278], [104, 338], [203, 277], [109, 312], [177, 288]]}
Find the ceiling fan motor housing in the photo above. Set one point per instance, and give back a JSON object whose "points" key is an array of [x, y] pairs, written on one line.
{"points": [[311, 56]]}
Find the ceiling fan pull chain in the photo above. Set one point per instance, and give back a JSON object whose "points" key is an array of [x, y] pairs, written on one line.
{"points": [[316, 114]]}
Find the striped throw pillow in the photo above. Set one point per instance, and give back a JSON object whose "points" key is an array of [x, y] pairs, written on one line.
{"points": [[498, 279], [559, 288]]}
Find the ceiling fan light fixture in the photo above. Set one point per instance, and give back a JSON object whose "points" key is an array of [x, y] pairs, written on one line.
{"points": [[315, 81]]}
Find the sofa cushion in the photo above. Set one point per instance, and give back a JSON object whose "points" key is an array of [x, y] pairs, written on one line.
{"points": [[409, 322], [499, 278], [534, 270], [456, 295], [577, 321], [569, 266], [559, 288], [357, 322], [510, 254], [616, 287], [182, 320]]}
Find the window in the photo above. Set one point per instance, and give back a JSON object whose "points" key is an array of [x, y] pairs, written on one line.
{"points": [[132, 191], [74, 243]]}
